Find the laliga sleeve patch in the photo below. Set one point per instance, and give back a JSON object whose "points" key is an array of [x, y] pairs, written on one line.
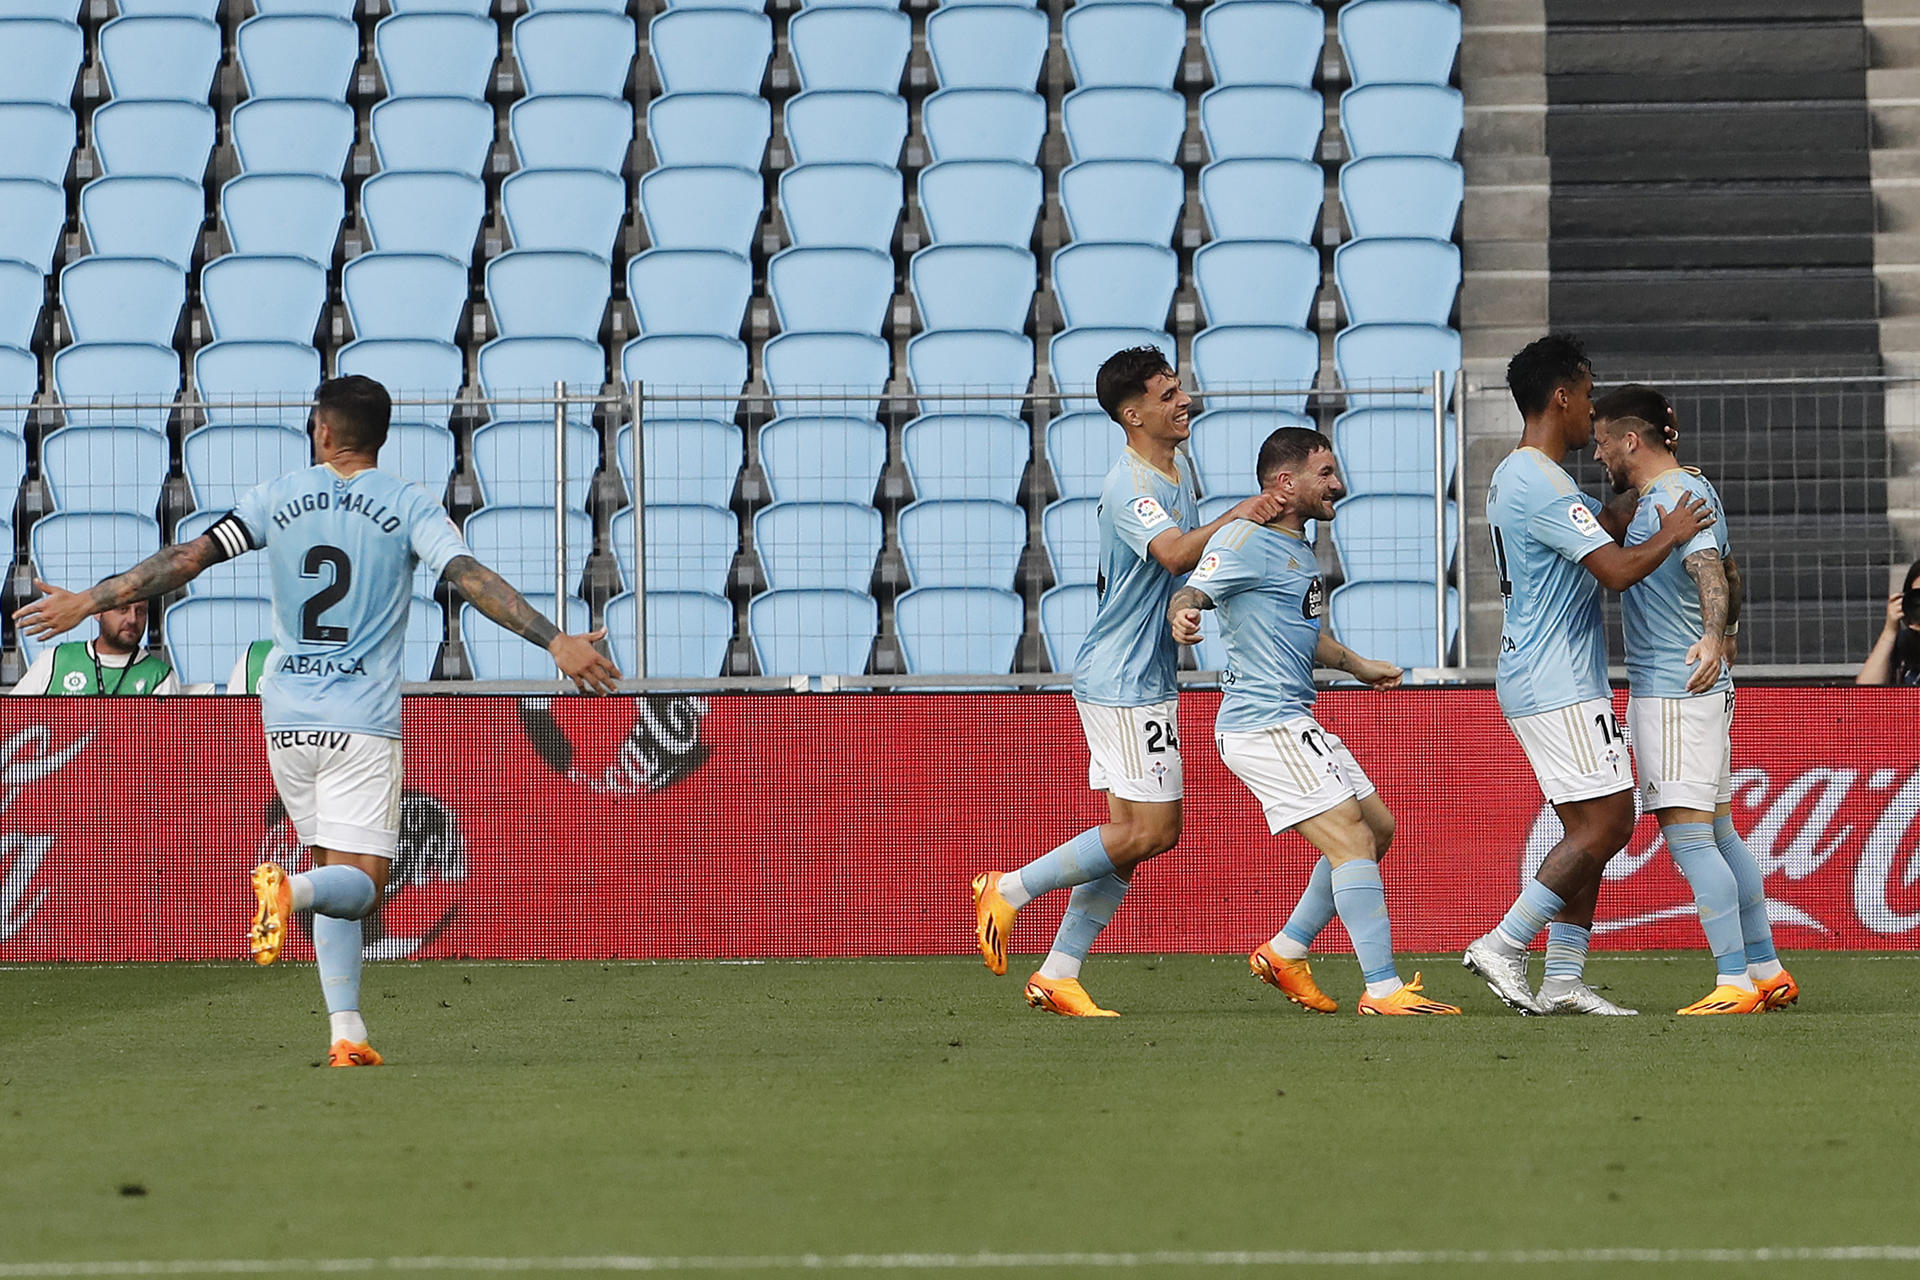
{"points": [[1148, 511], [1582, 520], [1208, 566]]}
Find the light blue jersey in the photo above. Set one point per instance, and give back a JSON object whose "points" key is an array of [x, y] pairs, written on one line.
{"points": [[342, 551], [1553, 652], [1266, 589], [1129, 658], [1661, 612]]}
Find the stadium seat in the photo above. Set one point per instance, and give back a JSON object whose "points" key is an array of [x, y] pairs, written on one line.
{"points": [[478, 8], [689, 548], [513, 461], [572, 209], [729, 129], [495, 653], [111, 377], [690, 291], [222, 463], [77, 549], [590, 6], [691, 461], [1247, 357], [411, 369], [710, 50], [36, 140], [143, 218], [436, 54], [32, 214], [846, 126], [1399, 41], [426, 632], [263, 299], [1124, 44], [1257, 281], [418, 451], [987, 46], [327, 8], [284, 213], [850, 48], [1263, 42], [966, 455], [962, 542], [1133, 201], [404, 295], [1402, 120], [981, 202], [817, 544], [423, 213], [1081, 448], [298, 56], [43, 59], [23, 292], [1390, 450], [1393, 621], [817, 290], [164, 58], [104, 469], [1397, 281], [520, 543], [958, 630], [293, 136], [171, 139], [1225, 442], [1066, 615], [812, 632], [1075, 355], [971, 370], [802, 366], [1262, 122], [1071, 527], [206, 634], [702, 207], [571, 131], [842, 204], [688, 634], [1400, 355], [577, 51], [1390, 537], [1402, 196], [822, 459], [207, 9], [548, 293], [973, 286], [1128, 286], [440, 135], [19, 383], [528, 367], [1111, 123], [984, 124], [710, 370], [1262, 199], [122, 299], [234, 376]]}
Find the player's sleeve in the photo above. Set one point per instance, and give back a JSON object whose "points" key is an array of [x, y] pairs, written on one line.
{"points": [[39, 675], [436, 543], [1566, 523], [1139, 518], [244, 528], [1710, 538], [1223, 570]]}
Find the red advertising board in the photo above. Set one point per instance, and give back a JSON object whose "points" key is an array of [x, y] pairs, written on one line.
{"points": [[849, 824]]}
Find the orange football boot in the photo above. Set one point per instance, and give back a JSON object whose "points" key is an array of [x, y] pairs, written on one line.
{"points": [[1728, 1000], [1064, 996], [993, 920], [1406, 1000], [275, 896], [345, 1053], [1292, 978], [1780, 990]]}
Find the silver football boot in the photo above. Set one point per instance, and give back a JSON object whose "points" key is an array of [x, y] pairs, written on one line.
{"points": [[1582, 999], [1504, 972]]}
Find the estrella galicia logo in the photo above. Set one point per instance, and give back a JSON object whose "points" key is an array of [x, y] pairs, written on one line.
{"points": [[1314, 603], [659, 748]]}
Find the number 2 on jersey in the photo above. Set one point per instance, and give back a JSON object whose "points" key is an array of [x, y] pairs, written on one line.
{"points": [[312, 629]]}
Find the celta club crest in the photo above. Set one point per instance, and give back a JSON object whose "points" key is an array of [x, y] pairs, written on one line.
{"points": [[1314, 603], [581, 740]]}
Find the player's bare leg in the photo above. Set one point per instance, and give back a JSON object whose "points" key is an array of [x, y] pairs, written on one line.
{"points": [[1281, 961]]}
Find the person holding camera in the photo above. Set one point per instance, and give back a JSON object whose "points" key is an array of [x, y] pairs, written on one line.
{"points": [[1896, 654]]}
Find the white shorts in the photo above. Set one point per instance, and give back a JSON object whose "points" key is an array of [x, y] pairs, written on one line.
{"points": [[1295, 769], [1683, 750], [1135, 750], [1576, 752], [342, 790]]}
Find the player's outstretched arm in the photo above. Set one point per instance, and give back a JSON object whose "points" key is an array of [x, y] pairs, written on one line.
{"points": [[1183, 614], [1179, 551], [1618, 568], [493, 595], [167, 569], [1708, 653], [1333, 655]]}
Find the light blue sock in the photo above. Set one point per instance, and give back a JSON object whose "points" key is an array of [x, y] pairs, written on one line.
{"points": [[1078, 861], [1755, 930], [336, 890], [1529, 914], [1566, 953], [336, 948], [1714, 892], [1089, 910], [1314, 910], [1361, 900]]}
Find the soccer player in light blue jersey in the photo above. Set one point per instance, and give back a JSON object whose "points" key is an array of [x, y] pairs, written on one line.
{"points": [[1552, 557], [1123, 684], [1679, 621], [342, 538], [1264, 581]]}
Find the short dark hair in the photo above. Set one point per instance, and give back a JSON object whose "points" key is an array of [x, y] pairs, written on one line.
{"points": [[358, 409], [1125, 374], [1286, 449], [1634, 401], [1542, 367]]}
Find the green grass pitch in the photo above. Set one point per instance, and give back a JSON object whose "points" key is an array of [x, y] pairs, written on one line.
{"points": [[707, 1112]]}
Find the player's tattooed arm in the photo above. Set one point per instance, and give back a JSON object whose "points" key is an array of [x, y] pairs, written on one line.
{"points": [[1618, 514], [1708, 654], [1183, 614], [494, 596], [168, 569], [1333, 655], [1736, 590]]}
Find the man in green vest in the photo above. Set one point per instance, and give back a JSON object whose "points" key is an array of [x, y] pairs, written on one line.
{"points": [[245, 679], [116, 663]]}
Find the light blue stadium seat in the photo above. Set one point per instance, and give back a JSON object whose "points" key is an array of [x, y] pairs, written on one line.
{"points": [[690, 291], [1257, 281], [112, 374], [263, 299], [104, 469], [973, 286], [702, 207], [817, 544], [13, 469], [966, 455], [530, 367], [1124, 44], [711, 370], [404, 295], [277, 135], [842, 204], [43, 58], [1262, 199], [586, 6], [1071, 527], [207, 9], [574, 51], [710, 50], [228, 374], [1128, 286], [812, 632], [423, 212], [1402, 120], [222, 463], [971, 370], [984, 124], [691, 461], [418, 451], [1262, 122], [1397, 281], [549, 293], [822, 459], [284, 213], [572, 209], [710, 129], [754, 6], [19, 383], [1225, 442], [689, 548], [122, 299], [1390, 450], [571, 131], [1066, 615], [432, 134], [1392, 621], [831, 290], [1263, 41], [143, 218], [57, 10], [1247, 357], [1402, 196], [298, 56], [852, 48], [1075, 355], [983, 202], [1401, 355], [1114, 123], [1081, 448], [1136, 201], [410, 369], [207, 634], [32, 214], [521, 545], [495, 653], [987, 46], [513, 460], [846, 126], [1390, 536], [171, 139], [436, 54], [962, 542], [1399, 41], [247, 575], [426, 632], [23, 292], [958, 630], [170, 58], [77, 549], [36, 140], [809, 364], [688, 633], [328, 8]]}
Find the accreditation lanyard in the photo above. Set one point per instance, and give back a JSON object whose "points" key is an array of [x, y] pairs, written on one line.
{"points": [[100, 677]]}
